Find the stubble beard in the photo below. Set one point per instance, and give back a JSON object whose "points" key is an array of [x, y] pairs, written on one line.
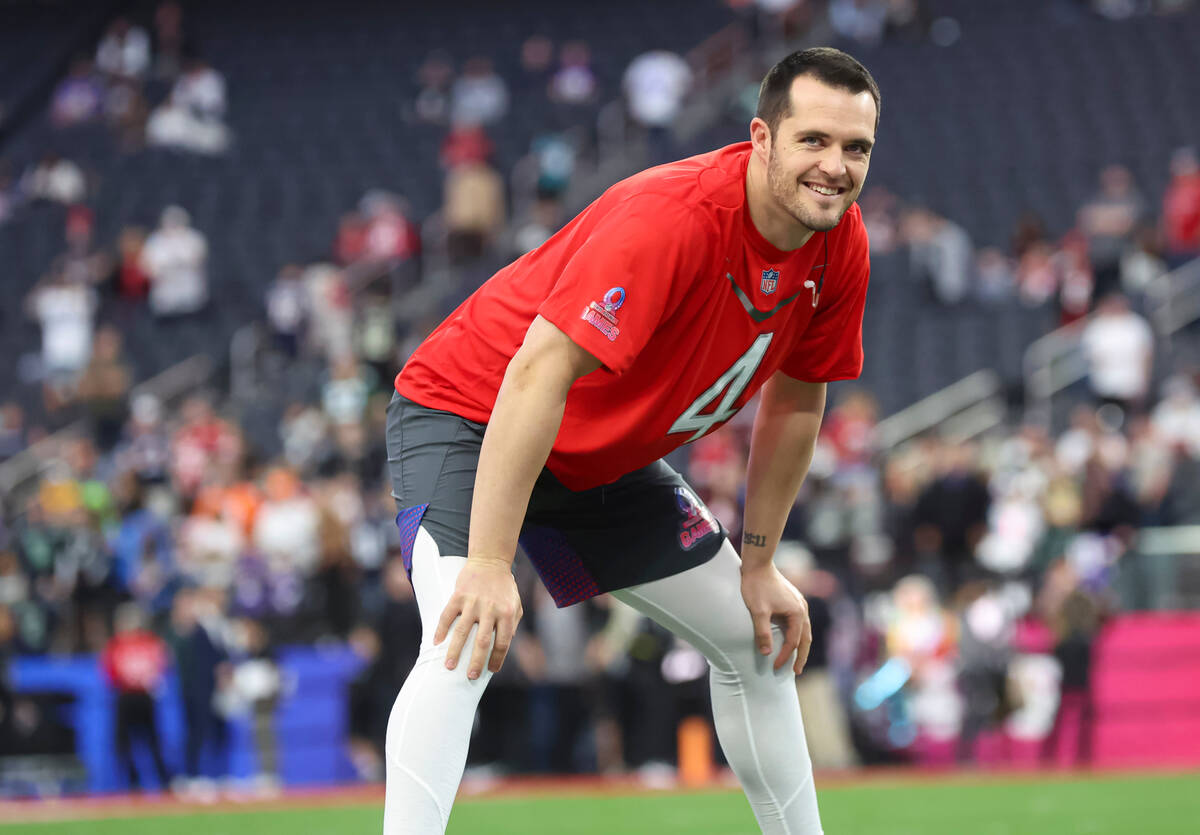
{"points": [[790, 194]]}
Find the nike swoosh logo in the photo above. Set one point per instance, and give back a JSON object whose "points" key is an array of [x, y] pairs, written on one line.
{"points": [[756, 314]]}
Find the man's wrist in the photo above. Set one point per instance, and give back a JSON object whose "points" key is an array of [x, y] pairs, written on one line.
{"points": [[487, 560], [755, 553]]}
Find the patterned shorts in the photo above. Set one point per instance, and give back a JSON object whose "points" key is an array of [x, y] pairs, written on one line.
{"points": [[644, 526]]}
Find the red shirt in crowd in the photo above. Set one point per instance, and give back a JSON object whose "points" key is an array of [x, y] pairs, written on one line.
{"points": [[135, 661], [666, 281], [1181, 215]]}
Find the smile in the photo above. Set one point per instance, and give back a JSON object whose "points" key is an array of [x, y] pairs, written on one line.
{"points": [[827, 191]]}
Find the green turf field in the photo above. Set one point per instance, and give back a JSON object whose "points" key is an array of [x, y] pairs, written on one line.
{"points": [[1150, 805]]}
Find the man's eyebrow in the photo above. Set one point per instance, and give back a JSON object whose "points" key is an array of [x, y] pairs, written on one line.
{"points": [[820, 134]]}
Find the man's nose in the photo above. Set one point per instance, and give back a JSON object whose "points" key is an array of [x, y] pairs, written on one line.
{"points": [[832, 164]]}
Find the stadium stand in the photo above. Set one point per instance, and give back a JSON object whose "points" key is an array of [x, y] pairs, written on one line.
{"points": [[322, 111]]}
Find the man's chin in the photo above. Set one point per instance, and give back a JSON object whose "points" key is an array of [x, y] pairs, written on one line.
{"points": [[821, 221]]}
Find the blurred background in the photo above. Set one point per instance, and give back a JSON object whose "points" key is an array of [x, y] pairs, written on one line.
{"points": [[224, 225]]}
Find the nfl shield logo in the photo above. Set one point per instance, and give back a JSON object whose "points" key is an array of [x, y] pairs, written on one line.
{"points": [[770, 280]]}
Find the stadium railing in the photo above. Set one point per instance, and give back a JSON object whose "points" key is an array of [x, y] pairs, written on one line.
{"points": [[22, 470], [1056, 362], [960, 411]]}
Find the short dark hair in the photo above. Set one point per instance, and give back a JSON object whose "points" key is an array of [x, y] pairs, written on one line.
{"points": [[829, 66]]}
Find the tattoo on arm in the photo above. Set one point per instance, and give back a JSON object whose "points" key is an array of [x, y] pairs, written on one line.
{"points": [[756, 539]]}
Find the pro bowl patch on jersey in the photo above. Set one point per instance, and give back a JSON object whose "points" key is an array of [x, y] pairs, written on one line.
{"points": [[770, 281], [602, 315], [698, 522]]}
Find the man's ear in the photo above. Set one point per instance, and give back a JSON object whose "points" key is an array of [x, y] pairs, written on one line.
{"points": [[760, 138]]}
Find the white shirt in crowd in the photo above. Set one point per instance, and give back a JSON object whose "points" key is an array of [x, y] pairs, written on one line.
{"points": [[65, 312], [1119, 348], [59, 181], [655, 85], [175, 257], [126, 54]]}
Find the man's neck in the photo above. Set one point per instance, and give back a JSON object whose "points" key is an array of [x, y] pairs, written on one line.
{"points": [[779, 228]]}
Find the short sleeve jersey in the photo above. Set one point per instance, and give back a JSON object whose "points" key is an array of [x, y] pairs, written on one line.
{"points": [[665, 280]]}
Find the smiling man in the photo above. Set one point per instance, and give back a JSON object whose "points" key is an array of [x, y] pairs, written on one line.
{"points": [[540, 411]]}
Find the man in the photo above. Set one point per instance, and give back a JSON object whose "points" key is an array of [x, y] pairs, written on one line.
{"points": [[542, 406], [135, 661]]}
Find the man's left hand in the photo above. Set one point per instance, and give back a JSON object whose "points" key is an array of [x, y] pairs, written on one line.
{"points": [[772, 599]]}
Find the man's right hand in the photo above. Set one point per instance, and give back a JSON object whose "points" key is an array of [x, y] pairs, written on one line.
{"points": [[485, 594]]}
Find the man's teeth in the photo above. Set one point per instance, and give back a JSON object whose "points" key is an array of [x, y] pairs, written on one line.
{"points": [[826, 190]]}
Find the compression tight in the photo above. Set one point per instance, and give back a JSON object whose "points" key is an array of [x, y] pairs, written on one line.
{"points": [[756, 709]]}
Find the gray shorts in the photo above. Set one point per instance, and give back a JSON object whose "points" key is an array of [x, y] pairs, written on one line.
{"points": [[644, 526]]}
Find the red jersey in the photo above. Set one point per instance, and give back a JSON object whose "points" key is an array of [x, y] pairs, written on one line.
{"points": [[666, 281], [135, 661]]}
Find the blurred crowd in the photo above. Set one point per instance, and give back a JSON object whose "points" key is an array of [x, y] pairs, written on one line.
{"points": [[934, 571], [1118, 244], [955, 588]]}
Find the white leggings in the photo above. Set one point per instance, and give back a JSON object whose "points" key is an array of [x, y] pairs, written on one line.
{"points": [[756, 709]]}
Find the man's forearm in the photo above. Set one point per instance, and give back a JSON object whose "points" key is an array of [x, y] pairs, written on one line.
{"points": [[781, 450], [519, 436]]}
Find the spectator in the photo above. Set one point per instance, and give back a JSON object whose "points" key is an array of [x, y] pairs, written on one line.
{"points": [[351, 240], [479, 96], [996, 280], [434, 77], [574, 83], [939, 253], [175, 259], [921, 634], [331, 311], [1181, 208], [146, 450], [12, 429], [255, 687], [656, 84], [56, 180], [104, 388], [473, 209], [133, 284], [862, 21], [135, 661], [78, 97], [168, 39], [285, 529], [1075, 625], [465, 144], [826, 725], [544, 220], [387, 647], [124, 52], [344, 395], [204, 449], [198, 644], [8, 192], [287, 310], [555, 158], [1142, 263], [191, 118], [951, 516], [985, 638], [537, 54], [1177, 416], [1119, 348], [126, 112], [1108, 222], [390, 237], [66, 312]]}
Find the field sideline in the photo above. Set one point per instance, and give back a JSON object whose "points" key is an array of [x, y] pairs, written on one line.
{"points": [[893, 802]]}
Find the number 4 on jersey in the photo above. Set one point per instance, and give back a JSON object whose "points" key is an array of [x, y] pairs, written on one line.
{"points": [[733, 382]]}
